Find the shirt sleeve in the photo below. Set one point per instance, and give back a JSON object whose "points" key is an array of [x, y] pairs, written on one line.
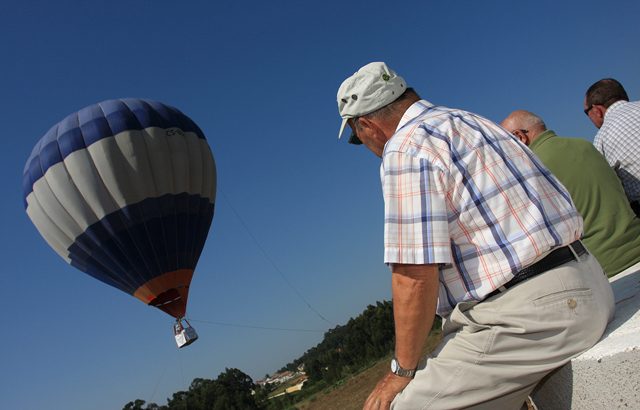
{"points": [[416, 222]]}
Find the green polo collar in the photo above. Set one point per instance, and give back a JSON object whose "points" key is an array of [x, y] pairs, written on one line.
{"points": [[541, 139]]}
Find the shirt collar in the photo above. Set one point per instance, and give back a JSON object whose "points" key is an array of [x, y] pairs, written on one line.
{"points": [[614, 106], [415, 110], [541, 138]]}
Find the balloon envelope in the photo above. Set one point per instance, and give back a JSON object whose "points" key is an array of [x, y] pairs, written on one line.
{"points": [[124, 190]]}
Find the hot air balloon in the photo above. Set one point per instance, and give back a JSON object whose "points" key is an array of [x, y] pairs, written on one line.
{"points": [[124, 190]]}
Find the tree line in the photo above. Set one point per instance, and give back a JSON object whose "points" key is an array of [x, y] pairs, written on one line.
{"points": [[344, 351], [347, 349]]}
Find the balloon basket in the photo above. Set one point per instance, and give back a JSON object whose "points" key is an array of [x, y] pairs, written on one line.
{"points": [[184, 333]]}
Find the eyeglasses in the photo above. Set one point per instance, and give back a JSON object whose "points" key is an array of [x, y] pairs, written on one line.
{"points": [[353, 139], [586, 110], [525, 132]]}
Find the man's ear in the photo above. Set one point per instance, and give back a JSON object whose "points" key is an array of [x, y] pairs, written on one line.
{"points": [[366, 123], [600, 110], [524, 138], [374, 128]]}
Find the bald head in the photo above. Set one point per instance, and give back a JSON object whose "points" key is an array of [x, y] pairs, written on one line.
{"points": [[525, 125]]}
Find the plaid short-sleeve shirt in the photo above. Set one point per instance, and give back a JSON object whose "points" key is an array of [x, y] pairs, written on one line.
{"points": [[463, 193]]}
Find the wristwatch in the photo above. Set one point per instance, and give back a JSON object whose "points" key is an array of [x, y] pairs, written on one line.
{"points": [[399, 371]]}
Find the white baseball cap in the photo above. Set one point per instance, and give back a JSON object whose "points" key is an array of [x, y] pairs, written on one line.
{"points": [[369, 89]]}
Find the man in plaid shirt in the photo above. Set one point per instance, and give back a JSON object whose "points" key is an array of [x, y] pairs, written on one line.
{"points": [[480, 233], [607, 105]]}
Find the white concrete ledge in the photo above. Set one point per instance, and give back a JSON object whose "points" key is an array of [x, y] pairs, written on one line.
{"points": [[608, 375]]}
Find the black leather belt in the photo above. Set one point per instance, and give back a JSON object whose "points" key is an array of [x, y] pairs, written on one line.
{"points": [[554, 259]]}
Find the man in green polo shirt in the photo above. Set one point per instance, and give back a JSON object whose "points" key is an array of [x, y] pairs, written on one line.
{"points": [[611, 228]]}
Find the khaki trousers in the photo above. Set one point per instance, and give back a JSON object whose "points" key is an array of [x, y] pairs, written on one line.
{"points": [[494, 353]]}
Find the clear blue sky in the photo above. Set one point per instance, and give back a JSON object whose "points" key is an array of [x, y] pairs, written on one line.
{"points": [[260, 79]]}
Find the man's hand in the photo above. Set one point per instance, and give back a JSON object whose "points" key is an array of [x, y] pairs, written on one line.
{"points": [[385, 391]]}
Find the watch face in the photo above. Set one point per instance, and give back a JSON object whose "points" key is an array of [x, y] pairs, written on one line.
{"points": [[394, 365]]}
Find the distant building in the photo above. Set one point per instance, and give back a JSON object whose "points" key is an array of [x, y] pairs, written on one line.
{"points": [[280, 377]]}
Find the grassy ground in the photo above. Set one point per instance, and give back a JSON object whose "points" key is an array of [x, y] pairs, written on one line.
{"points": [[352, 392], [349, 395]]}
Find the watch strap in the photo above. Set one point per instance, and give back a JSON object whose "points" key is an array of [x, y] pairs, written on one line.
{"points": [[400, 371]]}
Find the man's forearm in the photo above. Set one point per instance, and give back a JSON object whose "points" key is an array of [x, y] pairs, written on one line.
{"points": [[415, 293]]}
